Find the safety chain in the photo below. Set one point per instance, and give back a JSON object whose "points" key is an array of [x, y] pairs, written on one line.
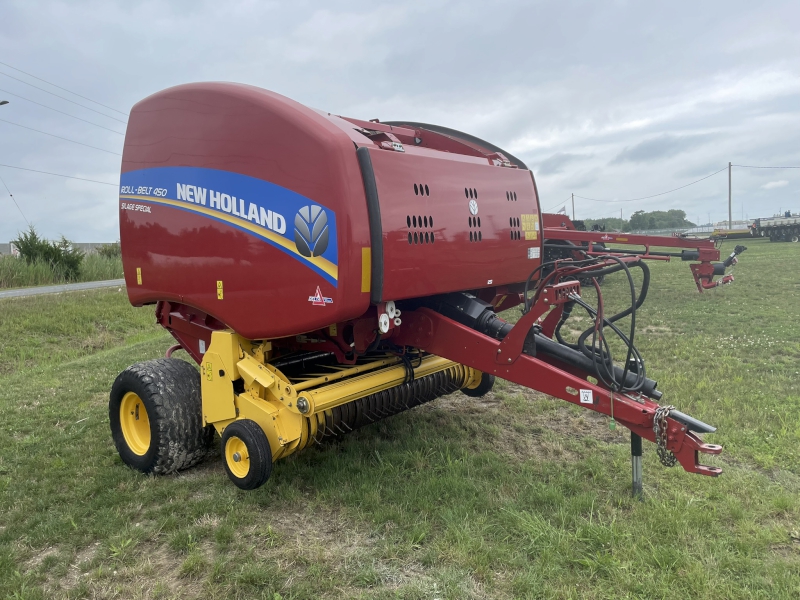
{"points": [[667, 458]]}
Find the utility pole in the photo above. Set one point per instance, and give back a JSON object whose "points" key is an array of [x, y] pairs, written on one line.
{"points": [[730, 217], [573, 207]]}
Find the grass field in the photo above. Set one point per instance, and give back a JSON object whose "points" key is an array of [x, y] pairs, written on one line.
{"points": [[15, 273], [514, 495]]}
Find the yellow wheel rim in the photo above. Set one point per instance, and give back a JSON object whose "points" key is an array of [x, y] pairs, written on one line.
{"points": [[237, 457], [135, 424]]}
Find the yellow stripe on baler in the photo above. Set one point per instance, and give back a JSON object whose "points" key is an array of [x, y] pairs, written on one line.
{"points": [[321, 263], [366, 269]]}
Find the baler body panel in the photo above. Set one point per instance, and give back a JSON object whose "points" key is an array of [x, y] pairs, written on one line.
{"points": [[252, 208], [269, 153], [469, 225]]}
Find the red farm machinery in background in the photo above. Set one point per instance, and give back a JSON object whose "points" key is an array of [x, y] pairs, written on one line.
{"points": [[563, 240], [326, 272]]}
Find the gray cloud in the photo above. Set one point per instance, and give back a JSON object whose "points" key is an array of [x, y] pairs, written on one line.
{"points": [[557, 162], [661, 147], [589, 92]]}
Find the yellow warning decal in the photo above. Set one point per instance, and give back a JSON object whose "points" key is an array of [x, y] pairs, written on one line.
{"points": [[529, 222], [366, 269], [139, 275], [219, 290], [530, 225]]}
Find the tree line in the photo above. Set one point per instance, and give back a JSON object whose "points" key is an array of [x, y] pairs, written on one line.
{"points": [[641, 221]]}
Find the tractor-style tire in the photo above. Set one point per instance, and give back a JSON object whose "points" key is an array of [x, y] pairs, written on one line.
{"points": [[155, 410], [246, 454], [483, 388]]}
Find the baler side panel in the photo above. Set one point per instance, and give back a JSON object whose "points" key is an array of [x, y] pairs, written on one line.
{"points": [[274, 152], [499, 244]]}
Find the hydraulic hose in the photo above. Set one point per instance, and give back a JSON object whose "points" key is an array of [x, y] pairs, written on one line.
{"points": [[540, 343], [480, 316]]}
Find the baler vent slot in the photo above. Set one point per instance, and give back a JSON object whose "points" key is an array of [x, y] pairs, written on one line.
{"points": [[421, 190], [475, 223], [471, 193], [420, 222], [514, 223], [511, 196]]}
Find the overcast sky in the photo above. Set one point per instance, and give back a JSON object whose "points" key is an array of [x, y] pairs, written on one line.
{"points": [[607, 100]]}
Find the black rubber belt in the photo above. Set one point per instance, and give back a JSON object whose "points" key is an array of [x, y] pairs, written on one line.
{"points": [[375, 226]]}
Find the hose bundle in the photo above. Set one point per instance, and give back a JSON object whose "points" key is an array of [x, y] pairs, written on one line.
{"points": [[598, 349]]}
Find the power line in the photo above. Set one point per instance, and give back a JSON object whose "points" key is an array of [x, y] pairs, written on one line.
{"points": [[65, 89], [59, 111], [60, 138], [62, 97], [656, 195], [752, 167], [557, 205], [14, 200], [58, 175]]}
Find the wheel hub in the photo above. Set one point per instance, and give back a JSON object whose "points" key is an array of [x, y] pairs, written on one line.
{"points": [[135, 423], [237, 457]]}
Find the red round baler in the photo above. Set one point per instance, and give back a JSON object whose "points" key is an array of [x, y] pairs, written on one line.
{"points": [[327, 272]]}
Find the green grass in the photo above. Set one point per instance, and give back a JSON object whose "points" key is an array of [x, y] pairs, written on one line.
{"points": [[515, 495], [15, 273]]}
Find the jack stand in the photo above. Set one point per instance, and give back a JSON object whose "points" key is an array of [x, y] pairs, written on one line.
{"points": [[636, 465]]}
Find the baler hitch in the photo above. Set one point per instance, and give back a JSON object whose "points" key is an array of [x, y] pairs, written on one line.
{"points": [[466, 330]]}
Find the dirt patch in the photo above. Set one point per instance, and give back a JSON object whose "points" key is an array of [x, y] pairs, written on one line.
{"points": [[149, 570], [208, 521], [36, 561], [82, 557], [293, 542]]}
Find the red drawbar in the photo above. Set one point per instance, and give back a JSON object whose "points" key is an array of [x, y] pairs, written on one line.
{"points": [[435, 333]]}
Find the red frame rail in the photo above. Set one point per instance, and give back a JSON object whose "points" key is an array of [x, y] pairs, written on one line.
{"points": [[705, 250], [433, 332]]}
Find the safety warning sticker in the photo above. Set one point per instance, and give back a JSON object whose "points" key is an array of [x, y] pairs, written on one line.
{"points": [[318, 299]]}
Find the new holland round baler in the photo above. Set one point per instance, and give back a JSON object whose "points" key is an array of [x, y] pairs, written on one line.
{"points": [[326, 272]]}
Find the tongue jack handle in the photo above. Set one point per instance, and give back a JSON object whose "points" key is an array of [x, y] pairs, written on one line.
{"points": [[636, 464]]}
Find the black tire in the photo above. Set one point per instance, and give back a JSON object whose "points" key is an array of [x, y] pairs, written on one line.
{"points": [[169, 392], [259, 454], [483, 388]]}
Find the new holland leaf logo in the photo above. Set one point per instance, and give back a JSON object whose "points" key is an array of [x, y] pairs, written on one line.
{"points": [[311, 231]]}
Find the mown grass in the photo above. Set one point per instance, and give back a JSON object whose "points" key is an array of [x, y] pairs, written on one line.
{"points": [[16, 273], [511, 496]]}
